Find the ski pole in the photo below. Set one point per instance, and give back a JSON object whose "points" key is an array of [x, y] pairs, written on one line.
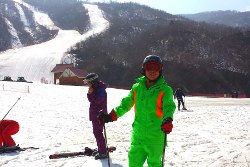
{"points": [[106, 144], [10, 109], [163, 155], [185, 103]]}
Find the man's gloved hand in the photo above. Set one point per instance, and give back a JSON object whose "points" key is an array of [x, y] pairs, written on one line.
{"points": [[167, 125], [105, 118]]}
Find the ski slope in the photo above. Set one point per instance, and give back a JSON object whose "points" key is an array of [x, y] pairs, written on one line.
{"points": [[214, 132], [36, 61]]}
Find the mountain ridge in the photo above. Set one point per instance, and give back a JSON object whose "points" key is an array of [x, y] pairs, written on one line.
{"points": [[229, 18]]}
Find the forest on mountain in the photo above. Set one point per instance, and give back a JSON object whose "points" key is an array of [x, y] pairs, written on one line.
{"points": [[199, 57]]}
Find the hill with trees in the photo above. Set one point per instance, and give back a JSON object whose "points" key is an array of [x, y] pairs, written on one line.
{"points": [[200, 57]]}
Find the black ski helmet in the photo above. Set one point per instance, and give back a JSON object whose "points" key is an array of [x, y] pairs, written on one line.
{"points": [[151, 58], [92, 77]]}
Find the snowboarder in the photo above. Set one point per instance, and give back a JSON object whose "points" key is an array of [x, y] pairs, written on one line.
{"points": [[97, 97], [8, 128], [179, 94], [153, 103]]}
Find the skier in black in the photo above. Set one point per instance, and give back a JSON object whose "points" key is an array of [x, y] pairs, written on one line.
{"points": [[179, 94]]}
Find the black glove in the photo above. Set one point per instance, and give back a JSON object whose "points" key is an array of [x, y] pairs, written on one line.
{"points": [[104, 118]]}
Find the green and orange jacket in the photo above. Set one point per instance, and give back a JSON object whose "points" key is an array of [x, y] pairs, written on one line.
{"points": [[151, 106]]}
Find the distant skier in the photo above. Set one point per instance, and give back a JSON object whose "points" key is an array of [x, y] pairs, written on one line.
{"points": [[97, 97], [179, 95], [8, 128], [154, 107]]}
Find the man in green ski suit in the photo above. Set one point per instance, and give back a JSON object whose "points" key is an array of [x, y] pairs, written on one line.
{"points": [[153, 104]]}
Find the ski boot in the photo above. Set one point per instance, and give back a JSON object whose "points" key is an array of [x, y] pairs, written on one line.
{"points": [[101, 156], [95, 153], [4, 149]]}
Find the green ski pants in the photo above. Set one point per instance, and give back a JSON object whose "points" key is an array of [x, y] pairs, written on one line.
{"points": [[139, 153]]}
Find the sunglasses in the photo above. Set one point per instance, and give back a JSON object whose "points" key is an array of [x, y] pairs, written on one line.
{"points": [[152, 66]]}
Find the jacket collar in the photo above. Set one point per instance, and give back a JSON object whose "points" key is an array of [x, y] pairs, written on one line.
{"points": [[160, 81]]}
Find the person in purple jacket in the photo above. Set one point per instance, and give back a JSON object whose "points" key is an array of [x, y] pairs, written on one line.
{"points": [[97, 97]]}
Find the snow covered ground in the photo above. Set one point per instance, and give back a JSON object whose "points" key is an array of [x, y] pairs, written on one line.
{"points": [[214, 132]]}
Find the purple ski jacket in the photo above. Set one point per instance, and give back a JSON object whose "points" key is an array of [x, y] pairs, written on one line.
{"points": [[98, 100]]}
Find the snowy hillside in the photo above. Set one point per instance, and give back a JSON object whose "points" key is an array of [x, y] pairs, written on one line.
{"points": [[216, 54], [213, 133], [21, 26], [37, 61]]}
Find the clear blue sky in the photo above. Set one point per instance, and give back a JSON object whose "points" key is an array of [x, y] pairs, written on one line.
{"points": [[191, 6]]}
